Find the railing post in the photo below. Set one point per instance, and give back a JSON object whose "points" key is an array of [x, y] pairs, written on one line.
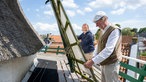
{"points": [[141, 77], [46, 48], [58, 50]]}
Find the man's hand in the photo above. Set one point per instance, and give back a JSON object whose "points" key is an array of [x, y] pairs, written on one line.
{"points": [[80, 40], [88, 64]]}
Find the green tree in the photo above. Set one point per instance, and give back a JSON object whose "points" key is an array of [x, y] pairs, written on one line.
{"points": [[118, 25], [127, 31], [142, 30], [134, 31], [97, 34]]}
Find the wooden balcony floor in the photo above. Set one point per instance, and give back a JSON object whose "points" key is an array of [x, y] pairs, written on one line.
{"points": [[46, 62]]}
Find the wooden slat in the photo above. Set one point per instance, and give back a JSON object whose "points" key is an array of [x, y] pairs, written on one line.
{"points": [[97, 73], [132, 68], [66, 71], [127, 77], [73, 75], [60, 72]]}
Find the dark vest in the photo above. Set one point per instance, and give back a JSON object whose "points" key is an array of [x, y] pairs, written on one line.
{"points": [[117, 51]]}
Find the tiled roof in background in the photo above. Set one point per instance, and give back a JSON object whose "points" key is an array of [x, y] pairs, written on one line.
{"points": [[56, 38]]}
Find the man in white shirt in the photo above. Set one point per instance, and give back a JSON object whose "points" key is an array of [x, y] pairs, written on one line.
{"points": [[109, 49]]}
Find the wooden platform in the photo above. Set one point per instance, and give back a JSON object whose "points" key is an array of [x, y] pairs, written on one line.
{"points": [[65, 74], [63, 68]]}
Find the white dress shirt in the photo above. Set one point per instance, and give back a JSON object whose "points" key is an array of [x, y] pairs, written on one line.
{"points": [[109, 47]]}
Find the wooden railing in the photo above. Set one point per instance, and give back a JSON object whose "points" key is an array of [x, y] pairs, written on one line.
{"points": [[140, 73], [56, 49], [126, 52]]}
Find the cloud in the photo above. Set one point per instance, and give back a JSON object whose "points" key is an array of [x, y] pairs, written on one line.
{"points": [[70, 13], [80, 12], [37, 10], [69, 4], [77, 28], [132, 23], [117, 3], [100, 3], [87, 9], [119, 6], [134, 4], [83, 11], [119, 11], [47, 7], [48, 12], [44, 28]]}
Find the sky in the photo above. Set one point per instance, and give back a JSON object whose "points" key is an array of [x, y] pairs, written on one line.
{"points": [[127, 13]]}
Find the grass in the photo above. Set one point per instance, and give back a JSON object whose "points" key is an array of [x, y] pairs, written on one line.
{"points": [[143, 54]]}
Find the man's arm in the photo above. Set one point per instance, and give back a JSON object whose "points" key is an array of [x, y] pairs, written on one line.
{"points": [[109, 48], [107, 51], [80, 36]]}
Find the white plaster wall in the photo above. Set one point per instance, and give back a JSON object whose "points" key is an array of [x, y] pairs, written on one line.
{"points": [[14, 70]]}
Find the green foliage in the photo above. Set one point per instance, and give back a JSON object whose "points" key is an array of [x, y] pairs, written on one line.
{"points": [[134, 30], [143, 53], [127, 31], [97, 34], [142, 30], [118, 25]]}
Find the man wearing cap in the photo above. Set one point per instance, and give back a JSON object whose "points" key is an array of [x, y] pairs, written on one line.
{"points": [[109, 49]]}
